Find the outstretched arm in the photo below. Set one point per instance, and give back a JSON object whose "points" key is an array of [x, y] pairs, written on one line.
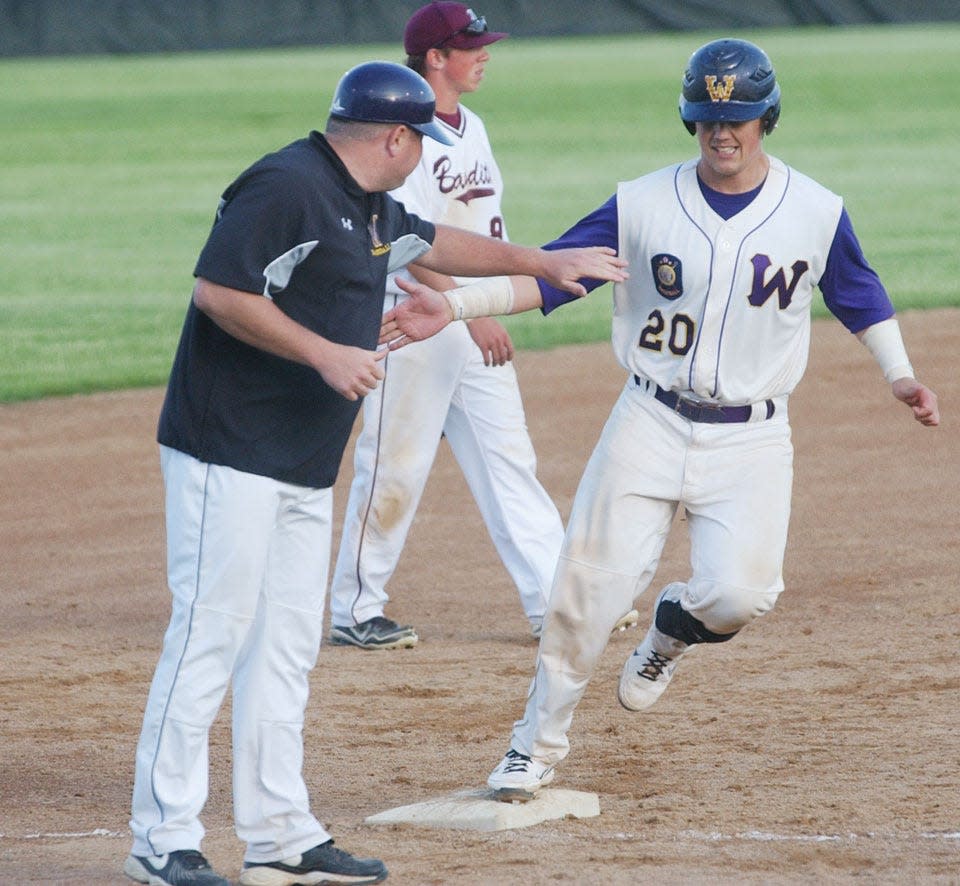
{"points": [[427, 311], [465, 254], [488, 334]]}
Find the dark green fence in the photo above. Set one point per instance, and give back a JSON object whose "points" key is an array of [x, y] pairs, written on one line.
{"points": [[63, 27]]}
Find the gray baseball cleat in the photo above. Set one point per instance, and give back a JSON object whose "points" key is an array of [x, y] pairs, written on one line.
{"points": [[184, 867], [322, 864], [374, 633]]}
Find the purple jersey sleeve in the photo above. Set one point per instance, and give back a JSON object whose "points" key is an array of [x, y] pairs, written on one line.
{"points": [[851, 288], [599, 228]]}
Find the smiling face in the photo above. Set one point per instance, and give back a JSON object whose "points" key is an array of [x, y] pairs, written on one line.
{"points": [[731, 155]]}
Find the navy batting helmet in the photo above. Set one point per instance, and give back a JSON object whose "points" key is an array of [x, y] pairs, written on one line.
{"points": [[386, 92], [730, 80]]}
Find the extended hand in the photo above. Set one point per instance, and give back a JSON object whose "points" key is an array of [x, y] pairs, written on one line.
{"points": [[564, 268], [425, 313]]}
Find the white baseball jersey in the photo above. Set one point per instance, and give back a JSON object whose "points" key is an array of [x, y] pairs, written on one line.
{"points": [[720, 308], [441, 388], [458, 185]]}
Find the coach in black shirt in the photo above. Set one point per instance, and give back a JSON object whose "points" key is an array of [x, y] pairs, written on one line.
{"points": [[299, 228]]}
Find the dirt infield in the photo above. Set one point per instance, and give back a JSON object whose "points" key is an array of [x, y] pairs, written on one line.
{"points": [[821, 745]]}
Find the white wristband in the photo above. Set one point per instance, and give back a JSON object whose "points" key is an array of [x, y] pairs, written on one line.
{"points": [[487, 298], [884, 341]]}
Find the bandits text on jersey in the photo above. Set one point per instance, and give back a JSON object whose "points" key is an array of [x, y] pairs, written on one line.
{"points": [[471, 181]]}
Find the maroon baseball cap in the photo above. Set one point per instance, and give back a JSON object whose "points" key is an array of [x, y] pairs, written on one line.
{"points": [[447, 25]]}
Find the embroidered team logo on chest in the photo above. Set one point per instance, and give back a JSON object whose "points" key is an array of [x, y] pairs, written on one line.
{"points": [[667, 275], [376, 246]]}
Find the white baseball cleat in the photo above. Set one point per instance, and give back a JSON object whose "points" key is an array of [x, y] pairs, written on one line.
{"points": [[518, 777], [650, 666]]}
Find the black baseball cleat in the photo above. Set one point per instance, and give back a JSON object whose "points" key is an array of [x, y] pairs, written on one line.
{"points": [[374, 633], [322, 864], [185, 867]]}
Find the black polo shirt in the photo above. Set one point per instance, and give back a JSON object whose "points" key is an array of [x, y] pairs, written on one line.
{"points": [[298, 228]]}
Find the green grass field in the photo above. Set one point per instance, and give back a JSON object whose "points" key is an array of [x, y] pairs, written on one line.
{"points": [[112, 167]]}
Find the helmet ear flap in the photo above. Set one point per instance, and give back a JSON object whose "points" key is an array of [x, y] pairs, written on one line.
{"points": [[691, 126]]}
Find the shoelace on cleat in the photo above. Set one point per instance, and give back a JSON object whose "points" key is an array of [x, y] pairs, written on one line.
{"points": [[518, 762], [654, 667]]}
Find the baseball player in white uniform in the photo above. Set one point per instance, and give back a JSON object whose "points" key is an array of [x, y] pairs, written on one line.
{"points": [[712, 327], [461, 384]]}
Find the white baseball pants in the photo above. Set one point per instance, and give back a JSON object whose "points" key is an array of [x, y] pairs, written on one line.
{"points": [[734, 481], [442, 387], [247, 561]]}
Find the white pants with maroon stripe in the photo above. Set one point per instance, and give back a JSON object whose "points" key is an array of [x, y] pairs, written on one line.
{"points": [[734, 481], [247, 563]]}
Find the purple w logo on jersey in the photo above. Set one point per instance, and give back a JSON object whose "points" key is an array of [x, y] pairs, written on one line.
{"points": [[762, 289]]}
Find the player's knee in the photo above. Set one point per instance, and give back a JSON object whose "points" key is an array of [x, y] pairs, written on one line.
{"points": [[725, 609]]}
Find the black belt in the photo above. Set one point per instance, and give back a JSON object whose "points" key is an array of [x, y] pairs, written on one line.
{"points": [[705, 412]]}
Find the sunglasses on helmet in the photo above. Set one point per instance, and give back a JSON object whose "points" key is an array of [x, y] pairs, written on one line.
{"points": [[478, 25]]}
